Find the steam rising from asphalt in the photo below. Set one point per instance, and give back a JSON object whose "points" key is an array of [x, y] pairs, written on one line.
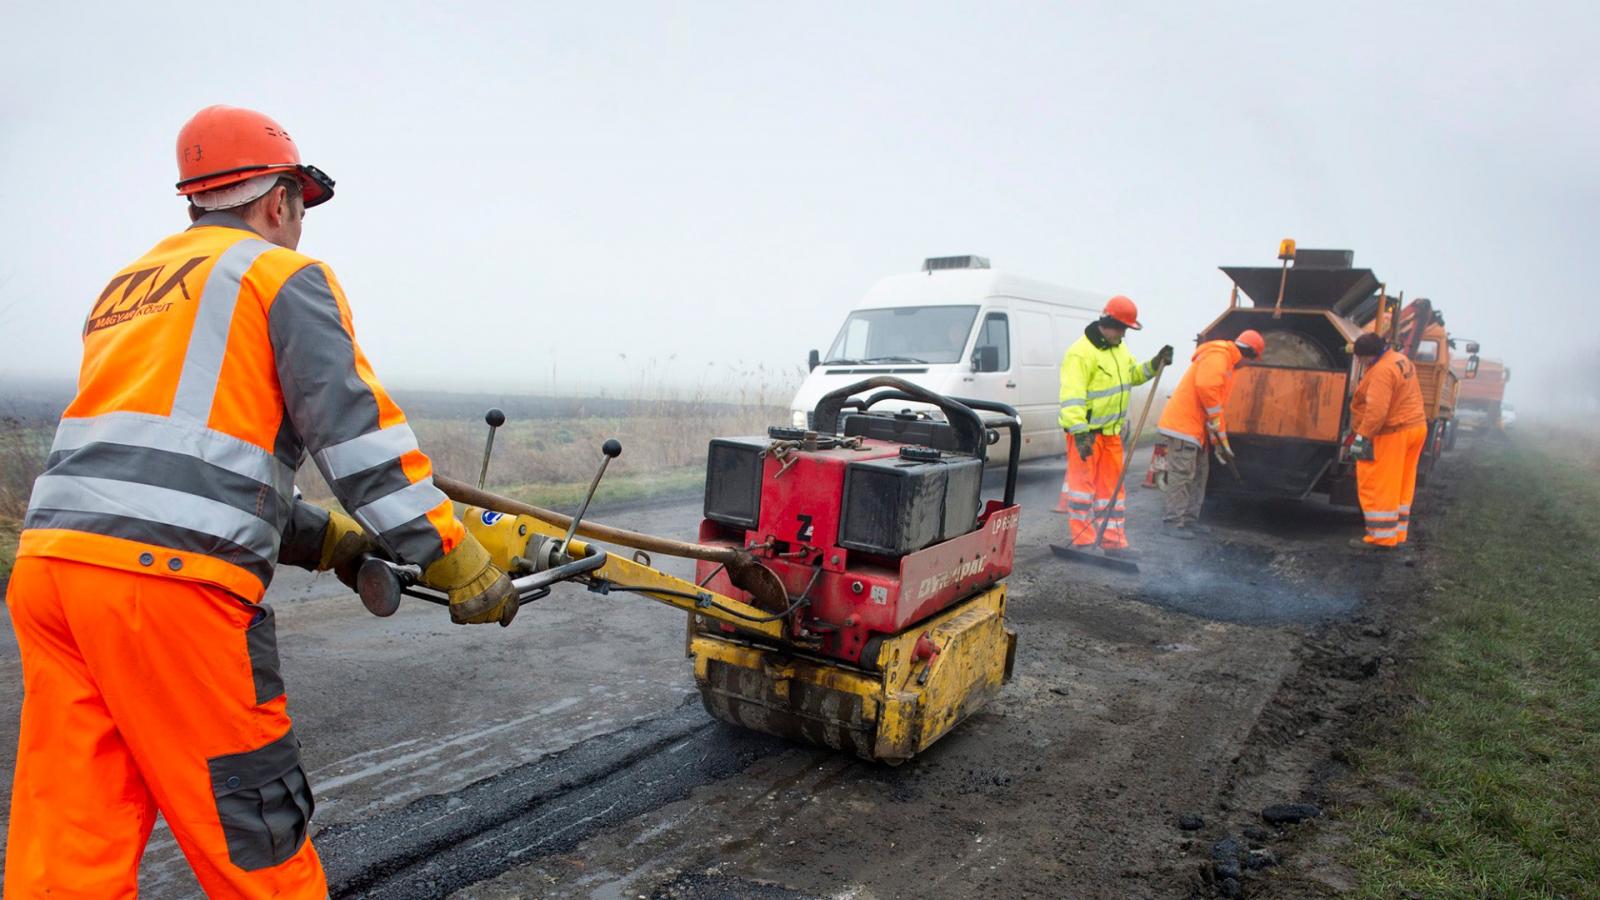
{"points": [[1220, 578]]}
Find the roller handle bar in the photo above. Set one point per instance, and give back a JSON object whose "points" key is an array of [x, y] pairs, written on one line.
{"points": [[1012, 422], [381, 583], [968, 425]]}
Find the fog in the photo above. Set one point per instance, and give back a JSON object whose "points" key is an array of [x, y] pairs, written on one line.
{"points": [[583, 196]]}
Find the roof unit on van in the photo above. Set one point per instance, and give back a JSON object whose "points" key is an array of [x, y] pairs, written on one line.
{"points": [[937, 263]]}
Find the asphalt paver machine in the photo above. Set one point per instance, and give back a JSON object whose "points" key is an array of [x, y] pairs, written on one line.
{"points": [[848, 588]]}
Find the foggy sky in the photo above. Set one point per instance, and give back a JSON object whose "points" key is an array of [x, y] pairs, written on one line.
{"points": [[528, 190]]}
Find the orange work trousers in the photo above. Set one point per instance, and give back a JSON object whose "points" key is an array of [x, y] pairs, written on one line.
{"points": [[143, 693], [1086, 492], [1387, 483]]}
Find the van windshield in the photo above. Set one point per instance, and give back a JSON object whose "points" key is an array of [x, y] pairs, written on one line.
{"points": [[917, 334]]}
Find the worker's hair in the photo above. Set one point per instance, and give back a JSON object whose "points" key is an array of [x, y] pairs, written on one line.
{"points": [[1370, 344], [287, 182]]}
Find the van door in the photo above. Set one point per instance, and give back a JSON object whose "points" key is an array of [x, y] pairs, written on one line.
{"points": [[993, 375], [1038, 376]]}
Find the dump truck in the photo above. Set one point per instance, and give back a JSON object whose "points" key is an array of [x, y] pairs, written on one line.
{"points": [[1483, 389], [1423, 338], [1289, 413]]}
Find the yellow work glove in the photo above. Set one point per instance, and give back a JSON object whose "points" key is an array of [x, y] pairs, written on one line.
{"points": [[479, 592], [344, 543], [1219, 439]]}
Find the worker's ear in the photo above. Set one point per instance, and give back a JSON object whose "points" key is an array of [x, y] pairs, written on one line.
{"points": [[281, 210]]}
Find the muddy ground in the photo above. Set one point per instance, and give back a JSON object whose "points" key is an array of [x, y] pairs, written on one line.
{"points": [[568, 755]]}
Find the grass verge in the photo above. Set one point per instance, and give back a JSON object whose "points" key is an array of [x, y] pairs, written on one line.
{"points": [[1490, 785], [566, 497], [10, 529]]}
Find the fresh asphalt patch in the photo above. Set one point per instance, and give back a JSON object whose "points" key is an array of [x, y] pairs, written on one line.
{"points": [[445, 842]]}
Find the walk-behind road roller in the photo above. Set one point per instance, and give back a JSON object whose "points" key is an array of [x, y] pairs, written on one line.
{"points": [[848, 587]]}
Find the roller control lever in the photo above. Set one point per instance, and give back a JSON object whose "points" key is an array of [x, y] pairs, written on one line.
{"points": [[611, 449], [382, 583], [494, 418]]}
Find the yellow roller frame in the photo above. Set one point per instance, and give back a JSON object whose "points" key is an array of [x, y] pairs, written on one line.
{"points": [[890, 712]]}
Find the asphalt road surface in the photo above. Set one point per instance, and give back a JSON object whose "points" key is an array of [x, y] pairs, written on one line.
{"points": [[568, 754]]}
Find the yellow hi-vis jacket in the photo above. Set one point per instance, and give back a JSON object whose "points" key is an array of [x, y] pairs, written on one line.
{"points": [[1097, 381]]}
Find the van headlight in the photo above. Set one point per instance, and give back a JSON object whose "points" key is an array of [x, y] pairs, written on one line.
{"points": [[801, 419]]}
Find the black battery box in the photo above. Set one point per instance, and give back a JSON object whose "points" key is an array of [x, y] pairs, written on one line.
{"points": [[896, 506]]}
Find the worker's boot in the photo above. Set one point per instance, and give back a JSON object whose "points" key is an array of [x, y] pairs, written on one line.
{"points": [[1177, 532]]}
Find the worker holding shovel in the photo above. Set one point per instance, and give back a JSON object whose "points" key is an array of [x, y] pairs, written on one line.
{"points": [[1192, 423], [1098, 376]]}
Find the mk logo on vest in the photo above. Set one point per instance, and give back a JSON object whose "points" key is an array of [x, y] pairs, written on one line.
{"points": [[109, 310]]}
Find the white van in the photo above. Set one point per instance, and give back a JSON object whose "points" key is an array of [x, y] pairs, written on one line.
{"points": [[961, 329]]}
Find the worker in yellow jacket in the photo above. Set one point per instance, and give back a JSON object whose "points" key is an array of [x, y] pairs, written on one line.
{"points": [[1098, 376]]}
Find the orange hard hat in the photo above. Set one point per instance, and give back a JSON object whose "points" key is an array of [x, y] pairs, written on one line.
{"points": [[1252, 339], [1123, 310], [225, 145]]}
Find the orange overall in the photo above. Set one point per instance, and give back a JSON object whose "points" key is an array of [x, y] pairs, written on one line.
{"points": [[212, 366], [1388, 409], [1088, 492]]}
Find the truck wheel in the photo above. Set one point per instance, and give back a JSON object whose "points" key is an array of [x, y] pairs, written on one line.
{"points": [[1450, 434]]}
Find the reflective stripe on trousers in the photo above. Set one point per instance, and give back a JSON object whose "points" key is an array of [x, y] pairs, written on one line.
{"points": [[1388, 482], [1095, 479]]}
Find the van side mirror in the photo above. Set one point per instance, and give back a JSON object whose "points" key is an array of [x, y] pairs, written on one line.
{"points": [[813, 359], [1472, 366], [986, 359]]}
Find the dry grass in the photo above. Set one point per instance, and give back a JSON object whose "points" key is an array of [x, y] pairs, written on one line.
{"points": [[23, 448], [663, 435], [547, 460]]}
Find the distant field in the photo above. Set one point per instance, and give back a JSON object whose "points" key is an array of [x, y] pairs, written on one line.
{"points": [[546, 453]]}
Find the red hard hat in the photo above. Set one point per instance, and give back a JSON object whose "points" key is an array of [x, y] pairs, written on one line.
{"points": [[1252, 339], [225, 145], [1123, 310]]}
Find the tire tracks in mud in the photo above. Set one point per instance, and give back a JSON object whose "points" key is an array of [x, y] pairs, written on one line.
{"points": [[445, 842]]}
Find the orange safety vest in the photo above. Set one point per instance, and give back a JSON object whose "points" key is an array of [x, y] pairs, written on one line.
{"points": [[1388, 397], [1202, 393], [210, 367]]}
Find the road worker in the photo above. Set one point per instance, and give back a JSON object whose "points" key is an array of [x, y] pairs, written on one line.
{"points": [[1390, 429], [212, 365], [1098, 376], [1192, 422]]}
